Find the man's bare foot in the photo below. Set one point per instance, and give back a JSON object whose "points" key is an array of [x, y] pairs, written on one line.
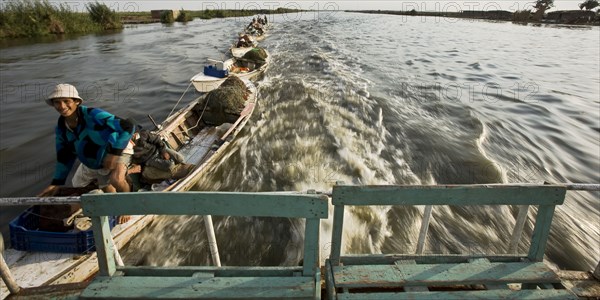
{"points": [[123, 219]]}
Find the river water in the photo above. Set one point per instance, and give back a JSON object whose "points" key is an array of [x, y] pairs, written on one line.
{"points": [[364, 99]]}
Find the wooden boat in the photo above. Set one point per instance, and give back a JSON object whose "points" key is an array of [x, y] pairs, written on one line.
{"points": [[184, 131], [217, 71]]}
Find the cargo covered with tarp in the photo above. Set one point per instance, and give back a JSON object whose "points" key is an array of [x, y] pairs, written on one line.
{"points": [[224, 104], [256, 55]]}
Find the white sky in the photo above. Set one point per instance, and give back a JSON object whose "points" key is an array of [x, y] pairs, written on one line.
{"points": [[419, 5]]}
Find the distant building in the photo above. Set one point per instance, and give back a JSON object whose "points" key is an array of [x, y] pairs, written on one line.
{"points": [[487, 14], [157, 13], [571, 16]]}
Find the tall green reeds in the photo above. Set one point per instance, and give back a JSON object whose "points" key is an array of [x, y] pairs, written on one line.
{"points": [[167, 17], [29, 18], [101, 14], [183, 16]]}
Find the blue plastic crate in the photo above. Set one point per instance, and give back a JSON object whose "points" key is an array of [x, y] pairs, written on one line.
{"points": [[26, 236], [211, 70]]}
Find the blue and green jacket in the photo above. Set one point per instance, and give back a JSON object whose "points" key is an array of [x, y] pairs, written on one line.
{"points": [[97, 133]]}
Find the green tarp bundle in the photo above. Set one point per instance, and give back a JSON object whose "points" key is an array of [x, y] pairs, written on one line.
{"points": [[226, 102], [256, 55]]}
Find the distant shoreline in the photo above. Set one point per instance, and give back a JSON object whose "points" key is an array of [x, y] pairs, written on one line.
{"points": [[37, 19], [567, 17]]}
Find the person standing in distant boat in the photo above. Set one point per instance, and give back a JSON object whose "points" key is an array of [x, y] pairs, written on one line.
{"points": [[97, 138]]}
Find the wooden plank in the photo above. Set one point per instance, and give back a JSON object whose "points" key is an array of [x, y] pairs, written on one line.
{"points": [[173, 135], [59, 291], [448, 195], [7, 277], [28, 201], [200, 288], [336, 235], [311, 247], [187, 271], [203, 275], [411, 288], [183, 130], [247, 110], [543, 222], [104, 246], [388, 259], [490, 286], [513, 247], [317, 284], [424, 229], [583, 284], [461, 295], [180, 116], [206, 203], [199, 146], [441, 274], [330, 281]]}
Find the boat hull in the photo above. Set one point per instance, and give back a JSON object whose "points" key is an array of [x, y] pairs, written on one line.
{"points": [[204, 83], [182, 132]]}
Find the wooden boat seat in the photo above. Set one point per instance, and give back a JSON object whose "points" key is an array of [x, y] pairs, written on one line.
{"points": [[201, 282], [436, 276], [201, 287]]}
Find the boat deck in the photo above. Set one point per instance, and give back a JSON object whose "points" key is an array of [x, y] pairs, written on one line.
{"points": [[450, 277], [437, 276], [370, 276], [200, 145], [32, 269]]}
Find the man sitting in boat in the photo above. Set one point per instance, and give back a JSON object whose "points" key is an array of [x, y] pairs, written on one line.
{"points": [[158, 162], [244, 41], [259, 28], [97, 138]]}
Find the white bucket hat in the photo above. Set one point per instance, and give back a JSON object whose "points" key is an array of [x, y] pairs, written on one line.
{"points": [[63, 90]]}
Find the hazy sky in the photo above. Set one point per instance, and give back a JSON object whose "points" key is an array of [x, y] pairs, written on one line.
{"points": [[419, 5]]}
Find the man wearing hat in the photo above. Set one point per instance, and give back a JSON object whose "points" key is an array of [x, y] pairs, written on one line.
{"points": [[95, 137]]}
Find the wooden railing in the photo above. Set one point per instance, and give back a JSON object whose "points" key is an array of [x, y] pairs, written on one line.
{"points": [[545, 196]]}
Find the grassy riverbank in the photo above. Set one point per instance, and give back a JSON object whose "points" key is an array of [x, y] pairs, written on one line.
{"points": [[35, 18], [39, 18], [146, 17]]}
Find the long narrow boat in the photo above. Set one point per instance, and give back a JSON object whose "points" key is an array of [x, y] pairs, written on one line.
{"points": [[213, 75], [185, 131]]}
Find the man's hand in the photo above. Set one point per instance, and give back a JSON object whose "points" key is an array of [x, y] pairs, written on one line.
{"points": [[166, 155]]}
